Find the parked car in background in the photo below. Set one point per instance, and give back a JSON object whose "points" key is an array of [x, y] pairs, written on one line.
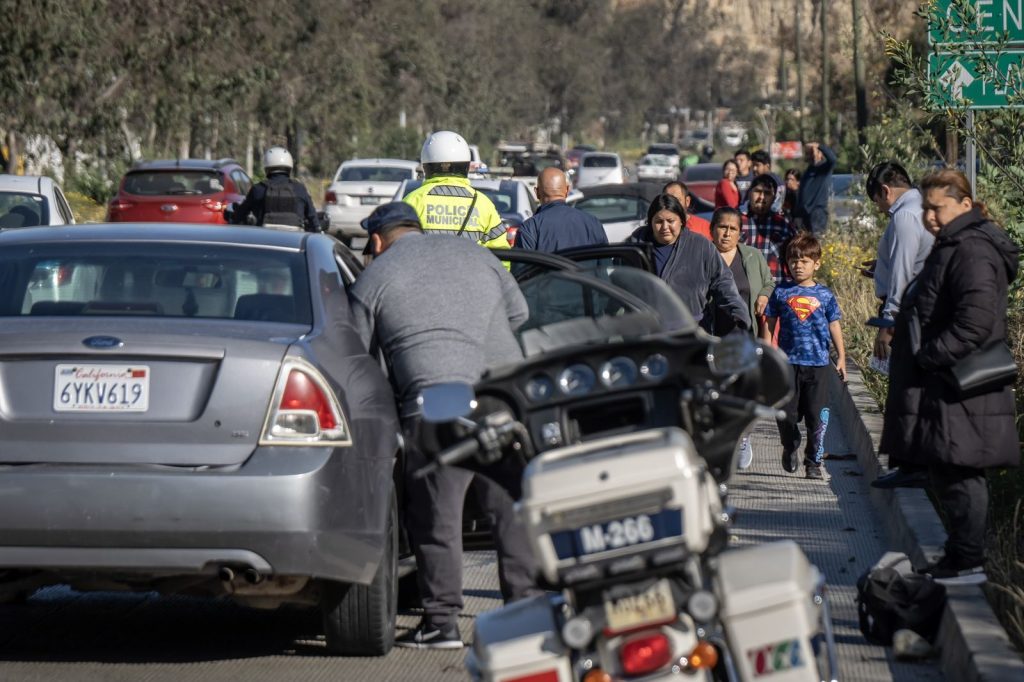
{"points": [[701, 179], [621, 208], [732, 134], [665, 149], [846, 200], [196, 417], [513, 198], [179, 191], [696, 139], [30, 200], [574, 155], [358, 187], [657, 168], [599, 168]]}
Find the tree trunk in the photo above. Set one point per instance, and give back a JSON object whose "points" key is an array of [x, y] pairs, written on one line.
{"points": [[11, 160]]}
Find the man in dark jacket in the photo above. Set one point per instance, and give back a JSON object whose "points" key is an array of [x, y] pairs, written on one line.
{"points": [[956, 305], [278, 200], [811, 211], [556, 225]]}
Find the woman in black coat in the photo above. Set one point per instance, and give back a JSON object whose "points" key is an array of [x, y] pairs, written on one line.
{"points": [[955, 305]]}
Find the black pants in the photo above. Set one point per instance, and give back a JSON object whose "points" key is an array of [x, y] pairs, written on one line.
{"points": [[962, 493], [809, 403], [433, 517]]}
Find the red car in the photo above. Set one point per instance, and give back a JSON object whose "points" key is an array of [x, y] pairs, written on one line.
{"points": [[179, 191], [701, 180]]}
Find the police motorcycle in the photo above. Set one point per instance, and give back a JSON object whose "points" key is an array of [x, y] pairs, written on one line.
{"points": [[616, 435]]}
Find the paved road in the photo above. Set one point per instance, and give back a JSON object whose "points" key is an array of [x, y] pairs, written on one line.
{"points": [[61, 635]]}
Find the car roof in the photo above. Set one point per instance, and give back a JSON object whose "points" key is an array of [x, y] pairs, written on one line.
{"points": [[187, 164], [403, 163], [30, 184], [643, 190], [260, 237]]}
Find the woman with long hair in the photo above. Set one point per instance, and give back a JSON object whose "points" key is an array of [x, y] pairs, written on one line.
{"points": [[726, 192], [953, 309]]}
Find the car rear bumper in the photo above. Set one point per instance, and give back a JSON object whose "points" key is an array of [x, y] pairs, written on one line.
{"points": [[345, 219], [316, 512]]}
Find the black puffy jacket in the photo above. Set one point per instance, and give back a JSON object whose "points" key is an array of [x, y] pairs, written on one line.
{"points": [[960, 299]]}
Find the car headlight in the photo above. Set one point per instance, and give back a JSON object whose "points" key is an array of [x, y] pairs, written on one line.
{"points": [[576, 379], [654, 368], [619, 371]]}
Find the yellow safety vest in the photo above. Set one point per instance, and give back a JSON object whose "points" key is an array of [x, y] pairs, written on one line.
{"points": [[442, 203]]}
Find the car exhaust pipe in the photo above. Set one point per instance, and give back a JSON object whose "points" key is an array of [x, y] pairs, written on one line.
{"points": [[252, 576], [225, 574]]}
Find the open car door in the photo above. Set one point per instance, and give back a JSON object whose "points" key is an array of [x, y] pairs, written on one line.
{"points": [[633, 255]]}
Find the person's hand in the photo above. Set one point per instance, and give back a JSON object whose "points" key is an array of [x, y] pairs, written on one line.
{"points": [[841, 367], [883, 341], [760, 305]]}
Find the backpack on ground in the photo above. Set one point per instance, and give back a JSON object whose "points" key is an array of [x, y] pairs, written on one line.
{"points": [[891, 597]]}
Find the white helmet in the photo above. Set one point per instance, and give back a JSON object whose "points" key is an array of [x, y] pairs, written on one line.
{"points": [[445, 146], [277, 157]]}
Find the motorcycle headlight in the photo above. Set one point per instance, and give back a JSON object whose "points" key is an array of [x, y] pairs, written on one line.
{"points": [[654, 368], [576, 379], [619, 371]]}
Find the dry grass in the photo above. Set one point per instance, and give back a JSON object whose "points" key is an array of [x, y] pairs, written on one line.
{"points": [[85, 209]]}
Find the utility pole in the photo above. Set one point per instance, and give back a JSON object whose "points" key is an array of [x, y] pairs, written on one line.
{"points": [[824, 73], [858, 76], [802, 104]]}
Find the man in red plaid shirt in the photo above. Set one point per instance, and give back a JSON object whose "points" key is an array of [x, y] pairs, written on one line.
{"points": [[766, 231]]}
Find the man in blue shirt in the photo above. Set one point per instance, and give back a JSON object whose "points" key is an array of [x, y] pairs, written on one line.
{"points": [[811, 210], [556, 225]]}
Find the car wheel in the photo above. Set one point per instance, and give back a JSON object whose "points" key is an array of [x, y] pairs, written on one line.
{"points": [[359, 620]]}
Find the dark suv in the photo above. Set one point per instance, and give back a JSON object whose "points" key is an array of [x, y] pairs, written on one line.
{"points": [[179, 191]]}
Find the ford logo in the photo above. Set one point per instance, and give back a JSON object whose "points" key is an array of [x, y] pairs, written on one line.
{"points": [[169, 208], [103, 342]]}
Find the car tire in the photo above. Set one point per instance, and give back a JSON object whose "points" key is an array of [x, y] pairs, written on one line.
{"points": [[359, 620]]}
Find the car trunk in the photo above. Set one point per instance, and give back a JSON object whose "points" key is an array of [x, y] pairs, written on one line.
{"points": [[174, 209], [366, 193], [204, 390]]}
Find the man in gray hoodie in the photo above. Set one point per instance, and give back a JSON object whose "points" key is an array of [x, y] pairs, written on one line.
{"points": [[442, 310]]}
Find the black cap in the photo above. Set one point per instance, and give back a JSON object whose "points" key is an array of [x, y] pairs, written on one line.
{"points": [[385, 216]]}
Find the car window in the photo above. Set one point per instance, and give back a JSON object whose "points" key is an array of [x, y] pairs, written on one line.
{"points": [[602, 161], [612, 209], [63, 208], [172, 182], [374, 174], [21, 209], [503, 200], [242, 182], [153, 279]]}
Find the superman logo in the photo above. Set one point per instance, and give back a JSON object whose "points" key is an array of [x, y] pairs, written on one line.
{"points": [[803, 306]]}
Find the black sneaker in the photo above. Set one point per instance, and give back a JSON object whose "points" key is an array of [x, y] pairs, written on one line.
{"points": [[947, 573], [813, 471], [428, 637], [791, 460]]}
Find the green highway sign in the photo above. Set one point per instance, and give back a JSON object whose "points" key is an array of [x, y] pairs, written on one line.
{"points": [[960, 79], [989, 22]]}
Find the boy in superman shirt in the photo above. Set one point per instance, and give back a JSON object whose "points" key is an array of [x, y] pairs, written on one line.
{"points": [[809, 315]]}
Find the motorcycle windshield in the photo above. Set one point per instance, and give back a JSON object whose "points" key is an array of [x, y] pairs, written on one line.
{"points": [[605, 304]]}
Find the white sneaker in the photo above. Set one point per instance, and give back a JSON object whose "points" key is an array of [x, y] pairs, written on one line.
{"points": [[746, 454]]}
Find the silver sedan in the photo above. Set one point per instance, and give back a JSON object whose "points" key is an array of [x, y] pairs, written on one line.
{"points": [[188, 409]]}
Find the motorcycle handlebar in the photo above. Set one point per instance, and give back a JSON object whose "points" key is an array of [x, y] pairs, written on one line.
{"points": [[750, 406], [451, 455]]}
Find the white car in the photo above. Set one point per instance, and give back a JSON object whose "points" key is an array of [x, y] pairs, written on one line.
{"points": [[656, 168], [599, 168], [359, 186], [733, 135], [30, 200]]}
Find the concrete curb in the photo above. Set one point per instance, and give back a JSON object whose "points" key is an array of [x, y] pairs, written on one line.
{"points": [[973, 645]]}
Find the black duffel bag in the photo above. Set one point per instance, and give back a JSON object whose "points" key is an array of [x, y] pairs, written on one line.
{"points": [[892, 597]]}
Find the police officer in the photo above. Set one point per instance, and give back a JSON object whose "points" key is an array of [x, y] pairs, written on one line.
{"points": [[446, 203], [278, 200]]}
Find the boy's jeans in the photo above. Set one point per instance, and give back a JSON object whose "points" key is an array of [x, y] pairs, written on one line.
{"points": [[810, 403]]}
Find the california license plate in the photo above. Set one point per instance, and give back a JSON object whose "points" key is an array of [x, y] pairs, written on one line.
{"points": [[101, 388], [653, 605]]}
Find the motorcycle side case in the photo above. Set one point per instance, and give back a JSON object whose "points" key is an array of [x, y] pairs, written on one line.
{"points": [[656, 471], [519, 640], [768, 611]]}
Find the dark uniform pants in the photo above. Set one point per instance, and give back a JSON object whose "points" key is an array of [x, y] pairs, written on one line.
{"points": [[433, 518], [809, 403], [962, 493]]}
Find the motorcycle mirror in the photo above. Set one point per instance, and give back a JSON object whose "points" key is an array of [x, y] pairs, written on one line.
{"points": [[442, 403], [734, 354]]}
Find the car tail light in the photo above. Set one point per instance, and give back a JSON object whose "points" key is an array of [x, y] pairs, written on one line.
{"points": [[330, 197], [216, 205], [546, 676], [116, 206], [304, 410], [645, 654], [513, 230]]}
